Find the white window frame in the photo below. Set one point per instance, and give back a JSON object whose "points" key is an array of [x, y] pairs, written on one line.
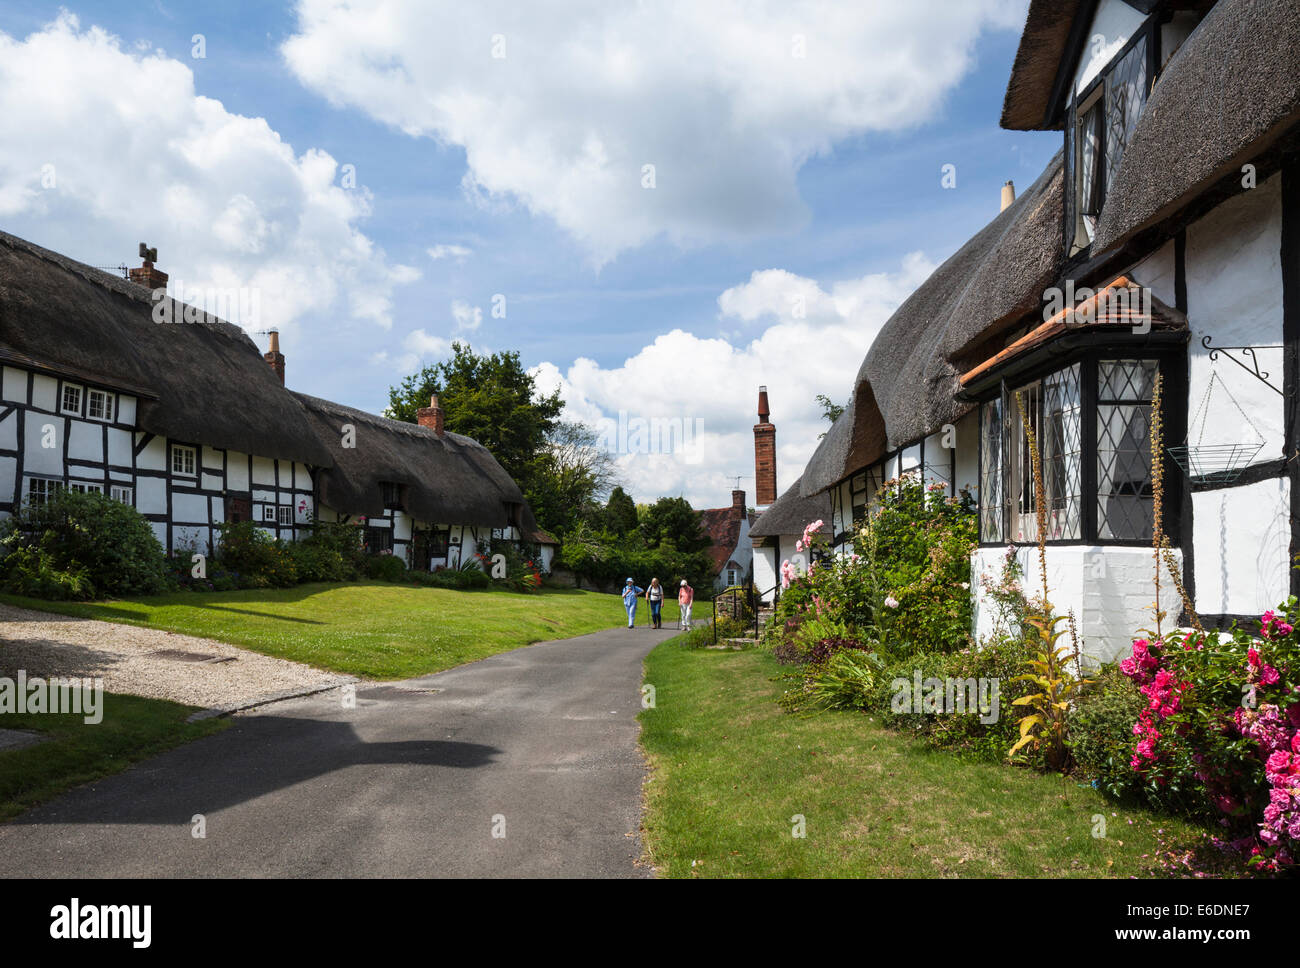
{"points": [[182, 450], [284, 514], [50, 487], [123, 494], [106, 405], [63, 399], [86, 487]]}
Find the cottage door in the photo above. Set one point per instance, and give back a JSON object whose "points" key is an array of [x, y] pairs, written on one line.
{"points": [[420, 550]]}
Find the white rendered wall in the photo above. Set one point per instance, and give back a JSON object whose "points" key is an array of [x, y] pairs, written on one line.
{"points": [[1110, 590], [1242, 538], [766, 570], [1234, 295]]}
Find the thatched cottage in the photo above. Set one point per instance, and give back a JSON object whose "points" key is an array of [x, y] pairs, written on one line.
{"points": [[1164, 238], [193, 426]]}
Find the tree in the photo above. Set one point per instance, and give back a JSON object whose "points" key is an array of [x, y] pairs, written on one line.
{"points": [[672, 520], [492, 399], [830, 410], [620, 513], [569, 477]]}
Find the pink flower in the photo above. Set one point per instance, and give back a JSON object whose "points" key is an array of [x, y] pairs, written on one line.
{"points": [[891, 601]]}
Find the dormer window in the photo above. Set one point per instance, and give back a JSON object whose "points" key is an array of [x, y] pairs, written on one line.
{"points": [[392, 494], [1098, 127]]}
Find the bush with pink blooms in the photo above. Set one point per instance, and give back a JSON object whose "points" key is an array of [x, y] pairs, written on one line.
{"points": [[1221, 723]]}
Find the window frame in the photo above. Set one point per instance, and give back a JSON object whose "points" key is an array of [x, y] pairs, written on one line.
{"points": [[1096, 92], [122, 493], [108, 401], [1172, 362], [86, 487], [194, 460], [63, 399], [52, 486], [284, 515]]}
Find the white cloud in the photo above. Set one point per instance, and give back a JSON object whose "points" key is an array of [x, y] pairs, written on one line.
{"points": [[449, 251], [713, 95], [116, 147], [803, 351], [468, 318]]}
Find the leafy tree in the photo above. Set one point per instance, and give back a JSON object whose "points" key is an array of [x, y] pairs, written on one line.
{"points": [[620, 513], [830, 410], [569, 477], [672, 521], [492, 399]]}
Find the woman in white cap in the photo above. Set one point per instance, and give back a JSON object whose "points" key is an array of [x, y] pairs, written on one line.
{"points": [[655, 596], [685, 598], [630, 594]]}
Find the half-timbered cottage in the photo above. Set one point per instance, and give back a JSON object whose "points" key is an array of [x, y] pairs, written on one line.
{"points": [[189, 423], [1164, 238]]}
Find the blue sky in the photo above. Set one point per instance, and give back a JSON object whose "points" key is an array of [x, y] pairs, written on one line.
{"points": [[865, 193]]}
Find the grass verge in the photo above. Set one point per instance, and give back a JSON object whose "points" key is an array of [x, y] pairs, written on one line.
{"points": [[370, 629], [731, 774], [75, 752]]}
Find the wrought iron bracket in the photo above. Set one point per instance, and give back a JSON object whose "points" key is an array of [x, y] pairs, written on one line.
{"points": [[1248, 352]]}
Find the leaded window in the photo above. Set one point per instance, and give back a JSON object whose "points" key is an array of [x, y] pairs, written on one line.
{"points": [[1124, 493], [1113, 461]]}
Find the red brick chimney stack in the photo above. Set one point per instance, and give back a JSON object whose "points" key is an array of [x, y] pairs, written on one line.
{"points": [[737, 504], [764, 453], [147, 275], [431, 416], [273, 356]]}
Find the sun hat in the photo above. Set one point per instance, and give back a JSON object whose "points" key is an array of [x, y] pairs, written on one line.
{"points": [[629, 581], [683, 581]]}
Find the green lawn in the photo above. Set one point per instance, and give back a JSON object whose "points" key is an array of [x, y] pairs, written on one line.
{"points": [[370, 629], [132, 729], [730, 771]]}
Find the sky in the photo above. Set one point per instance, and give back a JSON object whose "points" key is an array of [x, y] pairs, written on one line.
{"points": [[660, 205]]}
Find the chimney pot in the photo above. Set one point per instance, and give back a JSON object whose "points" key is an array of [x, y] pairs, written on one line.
{"points": [[273, 356], [737, 504], [764, 454], [1008, 195], [431, 416], [148, 275]]}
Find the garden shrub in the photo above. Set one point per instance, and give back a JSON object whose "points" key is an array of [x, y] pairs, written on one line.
{"points": [[1101, 732], [35, 572], [1221, 723], [385, 567], [253, 557], [81, 546]]}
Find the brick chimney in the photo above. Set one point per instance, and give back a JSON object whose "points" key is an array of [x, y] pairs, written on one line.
{"points": [[273, 356], [431, 416], [147, 275], [764, 454], [737, 504]]}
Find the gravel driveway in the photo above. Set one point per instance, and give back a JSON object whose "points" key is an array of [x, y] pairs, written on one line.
{"points": [[148, 662]]}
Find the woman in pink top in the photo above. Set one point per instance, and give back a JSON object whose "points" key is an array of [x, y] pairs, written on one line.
{"points": [[685, 596]]}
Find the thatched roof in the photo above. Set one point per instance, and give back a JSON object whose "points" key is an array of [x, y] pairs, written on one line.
{"points": [[446, 480], [201, 382], [1043, 45], [1231, 90], [791, 513], [907, 386]]}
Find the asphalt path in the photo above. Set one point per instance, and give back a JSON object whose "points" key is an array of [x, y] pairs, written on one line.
{"points": [[524, 764]]}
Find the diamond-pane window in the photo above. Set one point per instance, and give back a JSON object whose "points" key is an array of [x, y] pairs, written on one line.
{"points": [[992, 501], [1124, 494], [1126, 93], [1062, 437]]}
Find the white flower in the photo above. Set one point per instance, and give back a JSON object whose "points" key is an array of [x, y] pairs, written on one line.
{"points": [[891, 601]]}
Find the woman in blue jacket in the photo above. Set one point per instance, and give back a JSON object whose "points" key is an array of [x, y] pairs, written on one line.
{"points": [[630, 595]]}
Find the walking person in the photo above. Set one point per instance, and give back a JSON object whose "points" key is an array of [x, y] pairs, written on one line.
{"points": [[685, 598], [655, 596], [630, 595]]}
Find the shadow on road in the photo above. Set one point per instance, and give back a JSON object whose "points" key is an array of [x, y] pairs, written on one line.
{"points": [[254, 758]]}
